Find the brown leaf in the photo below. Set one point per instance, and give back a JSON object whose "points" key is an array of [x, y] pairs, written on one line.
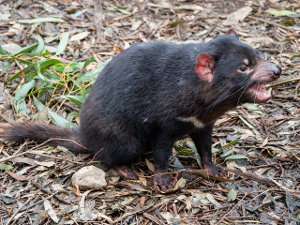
{"points": [[238, 16], [150, 165], [17, 177]]}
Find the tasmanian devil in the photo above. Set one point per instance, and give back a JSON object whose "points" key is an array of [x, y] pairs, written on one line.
{"points": [[153, 94]]}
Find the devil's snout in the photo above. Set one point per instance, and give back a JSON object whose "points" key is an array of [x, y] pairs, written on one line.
{"points": [[266, 71], [273, 70]]}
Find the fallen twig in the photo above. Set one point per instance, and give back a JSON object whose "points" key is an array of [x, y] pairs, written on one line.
{"points": [[284, 81], [264, 180], [133, 213], [234, 207]]}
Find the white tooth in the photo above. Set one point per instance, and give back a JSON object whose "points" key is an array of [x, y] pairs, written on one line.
{"points": [[270, 91]]}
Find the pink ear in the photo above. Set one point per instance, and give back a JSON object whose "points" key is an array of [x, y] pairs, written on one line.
{"points": [[232, 32], [204, 67]]}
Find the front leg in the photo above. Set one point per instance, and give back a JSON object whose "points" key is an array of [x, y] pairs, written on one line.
{"points": [[203, 141], [162, 152]]}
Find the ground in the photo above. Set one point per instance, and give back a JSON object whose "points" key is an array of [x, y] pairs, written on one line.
{"points": [[258, 144]]}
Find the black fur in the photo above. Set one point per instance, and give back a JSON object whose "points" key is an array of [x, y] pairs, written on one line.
{"points": [[137, 99], [135, 103], [51, 135]]}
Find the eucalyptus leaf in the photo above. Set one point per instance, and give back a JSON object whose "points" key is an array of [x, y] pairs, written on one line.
{"points": [[40, 46], [41, 20], [3, 51], [279, 13], [236, 157], [39, 105], [89, 61], [232, 194], [55, 118], [226, 153], [91, 76], [75, 99], [63, 43], [6, 167], [24, 89], [26, 50], [46, 64], [59, 120], [21, 93], [79, 36]]}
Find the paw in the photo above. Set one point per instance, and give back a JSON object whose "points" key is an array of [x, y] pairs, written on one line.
{"points": [[215, 173], [165, 182], [127, 173]]}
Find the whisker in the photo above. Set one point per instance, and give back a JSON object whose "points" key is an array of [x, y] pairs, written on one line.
{"points": [[212, 106], [245, 88]]}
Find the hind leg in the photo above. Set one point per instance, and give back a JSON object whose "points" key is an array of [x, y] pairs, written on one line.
{"points": [[119, 151], [118, 154]]}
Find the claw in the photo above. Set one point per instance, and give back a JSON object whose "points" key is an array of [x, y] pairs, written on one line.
{"points": [[127, 173], [165, 182]]}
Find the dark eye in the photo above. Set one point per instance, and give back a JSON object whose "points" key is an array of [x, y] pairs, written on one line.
{"points": [[243, 68]]}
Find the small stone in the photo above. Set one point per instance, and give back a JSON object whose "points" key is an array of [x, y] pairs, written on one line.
{"points": [[89, 177]]}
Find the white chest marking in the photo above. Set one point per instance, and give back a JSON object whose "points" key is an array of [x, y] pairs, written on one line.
{"points": [[194, 120]]}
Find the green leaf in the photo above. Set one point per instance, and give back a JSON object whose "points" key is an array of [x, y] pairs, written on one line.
{"points": [[226, 153], [75, 99], [42, 20], [236, 157], [19, 99], [29, 72], [59, 120], [55, 118], [63, 43], [22, 92], [78, 66], [46, 64], [89, 61], [37, 69], [26, 49], [41, 71], [40, 106], [40, 46], [11, 48], [91, 76], [6, 167], [21, 107], [3, 51], [232, 194], [278, 13]]}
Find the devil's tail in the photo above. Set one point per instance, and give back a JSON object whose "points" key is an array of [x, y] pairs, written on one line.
{"points": [[43, 133]]}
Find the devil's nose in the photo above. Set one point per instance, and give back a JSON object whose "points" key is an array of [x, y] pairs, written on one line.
{"points": [[277, 71]]}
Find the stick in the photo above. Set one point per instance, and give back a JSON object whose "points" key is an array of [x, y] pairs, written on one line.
{"points": [[132, 213], [227, 213], [264, 180]]}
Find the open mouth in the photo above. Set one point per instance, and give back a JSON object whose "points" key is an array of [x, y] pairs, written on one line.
{"points": [[260, 91], [264, 74]]}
